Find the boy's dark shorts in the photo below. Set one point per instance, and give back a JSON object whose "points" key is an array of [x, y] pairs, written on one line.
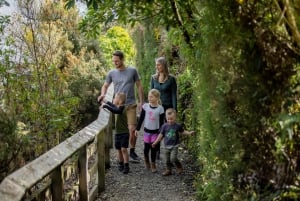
{"points": [[121, 140]]}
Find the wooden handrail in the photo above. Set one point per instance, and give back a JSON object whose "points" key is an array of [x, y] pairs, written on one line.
{"points": [[50, 165]]}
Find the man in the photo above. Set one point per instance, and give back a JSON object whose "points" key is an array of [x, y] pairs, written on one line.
{"points": [[124, 78]]}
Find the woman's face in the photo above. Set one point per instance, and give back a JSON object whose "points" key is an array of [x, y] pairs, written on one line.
{"points": [[159, 67]]}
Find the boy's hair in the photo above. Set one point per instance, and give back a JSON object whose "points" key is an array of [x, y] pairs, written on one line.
{"points": [[156, 93], [119, 53], [122, 96], [170, 111]]}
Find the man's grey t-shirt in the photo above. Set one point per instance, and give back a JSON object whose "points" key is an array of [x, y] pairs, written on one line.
{"points": [[124, 81]]}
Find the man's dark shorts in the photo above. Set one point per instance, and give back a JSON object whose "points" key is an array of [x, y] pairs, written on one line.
{"points": [[121, 140]]}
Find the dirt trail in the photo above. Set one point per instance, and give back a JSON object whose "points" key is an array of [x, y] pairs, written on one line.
{"points": [[143, 185]]}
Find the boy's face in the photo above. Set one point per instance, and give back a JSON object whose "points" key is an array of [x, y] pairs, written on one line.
{"points": [[171, 118], [117, 100]]}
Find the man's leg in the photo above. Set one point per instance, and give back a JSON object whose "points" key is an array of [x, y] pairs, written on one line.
{"points": [[132, 142], [132, 122]]}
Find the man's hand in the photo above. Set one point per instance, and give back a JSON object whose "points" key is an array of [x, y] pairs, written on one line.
{"points": [[136, 133], [139, 107], [100, 98]]}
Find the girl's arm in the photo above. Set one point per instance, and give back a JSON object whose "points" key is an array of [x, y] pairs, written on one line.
{"points": [[161, 119], [141, 119]]}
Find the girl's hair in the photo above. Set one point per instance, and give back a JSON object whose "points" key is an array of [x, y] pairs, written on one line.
{"points": [[156, 94], [122, 96], [164, 63]]}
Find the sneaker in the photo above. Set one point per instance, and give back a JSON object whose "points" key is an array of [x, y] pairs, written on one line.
{"points": [[153, 168], [126, 169], [167, 172], [121, 166], [147, 164], [179, 170], [134, 157]]}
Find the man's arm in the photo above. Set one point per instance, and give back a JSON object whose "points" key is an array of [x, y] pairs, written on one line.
{"points": [[140, 93], [103, 91]]}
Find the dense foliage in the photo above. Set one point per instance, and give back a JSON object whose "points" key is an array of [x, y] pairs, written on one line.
{"points": [[49, 81], [238, 62]]}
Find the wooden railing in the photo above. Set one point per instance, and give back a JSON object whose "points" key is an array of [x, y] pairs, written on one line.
{"points": [[73, 170]]}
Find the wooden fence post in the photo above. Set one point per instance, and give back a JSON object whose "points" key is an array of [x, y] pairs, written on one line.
{"points": [[57, 184], [83, 174], [101, 161], [108, 141]]}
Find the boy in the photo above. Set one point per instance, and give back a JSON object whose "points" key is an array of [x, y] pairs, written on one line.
{"points": [[122, 132], [170, 131]]}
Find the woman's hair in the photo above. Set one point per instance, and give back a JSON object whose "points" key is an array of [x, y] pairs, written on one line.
{"points": [[156, 94], [164, 63]]}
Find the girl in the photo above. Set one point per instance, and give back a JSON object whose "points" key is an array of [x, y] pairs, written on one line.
{"points": [[153, 114]]}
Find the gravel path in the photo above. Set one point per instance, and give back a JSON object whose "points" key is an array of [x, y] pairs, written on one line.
{"points": [[143, 185]]}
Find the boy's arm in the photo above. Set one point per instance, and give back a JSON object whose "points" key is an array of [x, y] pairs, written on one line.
{"points": [[188, 132], [158, 139], [113, 108]]}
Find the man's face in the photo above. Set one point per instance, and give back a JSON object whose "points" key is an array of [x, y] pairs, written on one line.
{"points": [[117, 62]]}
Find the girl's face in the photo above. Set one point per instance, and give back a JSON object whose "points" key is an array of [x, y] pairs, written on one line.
{"points": [[152, 99], [159, 67]]}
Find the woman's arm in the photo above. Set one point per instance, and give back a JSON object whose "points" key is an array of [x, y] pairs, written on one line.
{"points": [[174, 93], [152, 83]]}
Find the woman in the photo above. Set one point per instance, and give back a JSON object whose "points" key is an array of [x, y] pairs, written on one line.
{"points": [[166, 85]]}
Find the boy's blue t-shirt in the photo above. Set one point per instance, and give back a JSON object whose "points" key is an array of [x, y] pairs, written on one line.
{"points": [[171, 134]]}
